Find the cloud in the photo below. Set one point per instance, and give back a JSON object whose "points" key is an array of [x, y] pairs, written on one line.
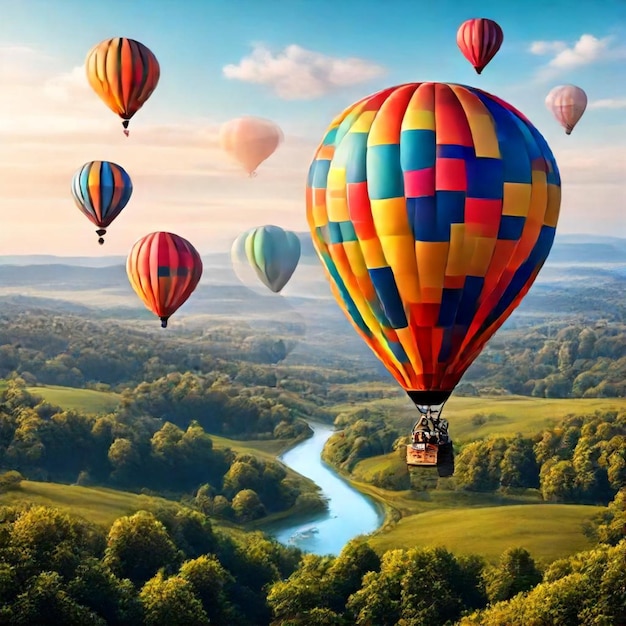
{"points": [[586, 51], [300, 74], [547, 47], [608, 103], [51, 123]]}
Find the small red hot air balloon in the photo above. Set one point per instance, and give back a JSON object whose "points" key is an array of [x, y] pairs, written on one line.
{"points": [[163, 269], [479, 40]]}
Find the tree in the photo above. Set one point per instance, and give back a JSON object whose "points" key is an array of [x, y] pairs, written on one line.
{"points": [[137, 546], [45, 601], [115, 600], [519, 467], [515, 572], [558, 482], [171, 601], [208, 578], [248, 506]]}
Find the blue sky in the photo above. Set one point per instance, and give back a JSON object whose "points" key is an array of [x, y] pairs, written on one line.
{"points": [[356, 48]]}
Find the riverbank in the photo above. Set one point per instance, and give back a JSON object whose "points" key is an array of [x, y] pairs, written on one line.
{"points": [[350, 512]]}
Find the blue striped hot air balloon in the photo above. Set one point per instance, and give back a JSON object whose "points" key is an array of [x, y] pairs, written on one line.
{"points": [[101, 190]]}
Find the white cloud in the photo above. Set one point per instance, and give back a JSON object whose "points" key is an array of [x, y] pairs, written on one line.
{"points": [[299, 74], [586, 51], [547, 47], [608, 103]]}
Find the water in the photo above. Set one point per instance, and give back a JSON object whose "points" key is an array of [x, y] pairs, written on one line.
{"points": [[350, 513]]}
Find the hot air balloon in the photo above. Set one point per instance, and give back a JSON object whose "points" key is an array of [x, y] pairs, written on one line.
{"points": [[250, 140], [163, 269], [101, 190], [567, 103], [479, 40], [124, 73], [432, 208], [270, 252]]}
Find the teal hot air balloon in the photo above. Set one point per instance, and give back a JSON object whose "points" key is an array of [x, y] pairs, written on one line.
{"points": [[270, 252]]}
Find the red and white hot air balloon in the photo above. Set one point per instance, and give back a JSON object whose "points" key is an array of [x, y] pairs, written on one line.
{"points": [[567, 103]]}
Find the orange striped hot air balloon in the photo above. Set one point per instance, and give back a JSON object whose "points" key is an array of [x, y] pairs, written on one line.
{"points": [[124, 73], [479, 40], [163, 269]]}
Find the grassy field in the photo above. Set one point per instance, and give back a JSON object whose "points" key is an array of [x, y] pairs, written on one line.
{"points": [[547, 531], [96, 504], [505, 415], [87, 400]]}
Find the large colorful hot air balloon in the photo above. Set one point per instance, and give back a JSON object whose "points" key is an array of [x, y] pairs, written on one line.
{"points": [[271, 252], [124, 73], [101, 190], [479, 40], [163, 269], [567, 103], [250, 141], [432, 207]]}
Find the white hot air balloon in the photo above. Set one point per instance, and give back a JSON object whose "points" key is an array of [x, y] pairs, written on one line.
{"points": [[567, 103]]}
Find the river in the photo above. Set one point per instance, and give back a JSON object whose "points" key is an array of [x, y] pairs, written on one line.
{"points": [[350, 513]]}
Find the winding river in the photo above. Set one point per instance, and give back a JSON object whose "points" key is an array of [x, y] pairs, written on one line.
{"points": [[350, 513]]}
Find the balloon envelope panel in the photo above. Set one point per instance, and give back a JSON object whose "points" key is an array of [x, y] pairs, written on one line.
{"points": [[432, 207]]}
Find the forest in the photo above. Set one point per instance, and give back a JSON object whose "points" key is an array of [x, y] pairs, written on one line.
{"points": [[193, 562], [171, 567]]}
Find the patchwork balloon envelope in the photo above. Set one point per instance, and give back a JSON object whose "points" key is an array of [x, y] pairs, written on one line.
{"points": [[432, 207]]}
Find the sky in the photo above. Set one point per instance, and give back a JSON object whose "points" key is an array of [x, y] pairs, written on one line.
{"points": [[298, 63]]}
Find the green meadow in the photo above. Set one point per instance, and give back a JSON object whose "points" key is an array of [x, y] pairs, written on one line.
{"points": [[97, 504], [547, 531], [502, 415], [87, 400]]}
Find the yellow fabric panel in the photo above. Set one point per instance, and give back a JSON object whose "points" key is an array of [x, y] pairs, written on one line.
{"points": [[373, 253], [457, 256], [480, 122], [481, 257], [554, 204], [390, 217], [420, 112], [516, 199], [364, 122], [432, 257], [414, 119], [400, 255], [405, 335], [319, 215], [355, 257], [539, 199], [337, 203], [484, 136]]}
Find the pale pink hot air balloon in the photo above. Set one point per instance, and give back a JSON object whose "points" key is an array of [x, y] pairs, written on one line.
{"points": [[250, 140], [567, 103]]}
